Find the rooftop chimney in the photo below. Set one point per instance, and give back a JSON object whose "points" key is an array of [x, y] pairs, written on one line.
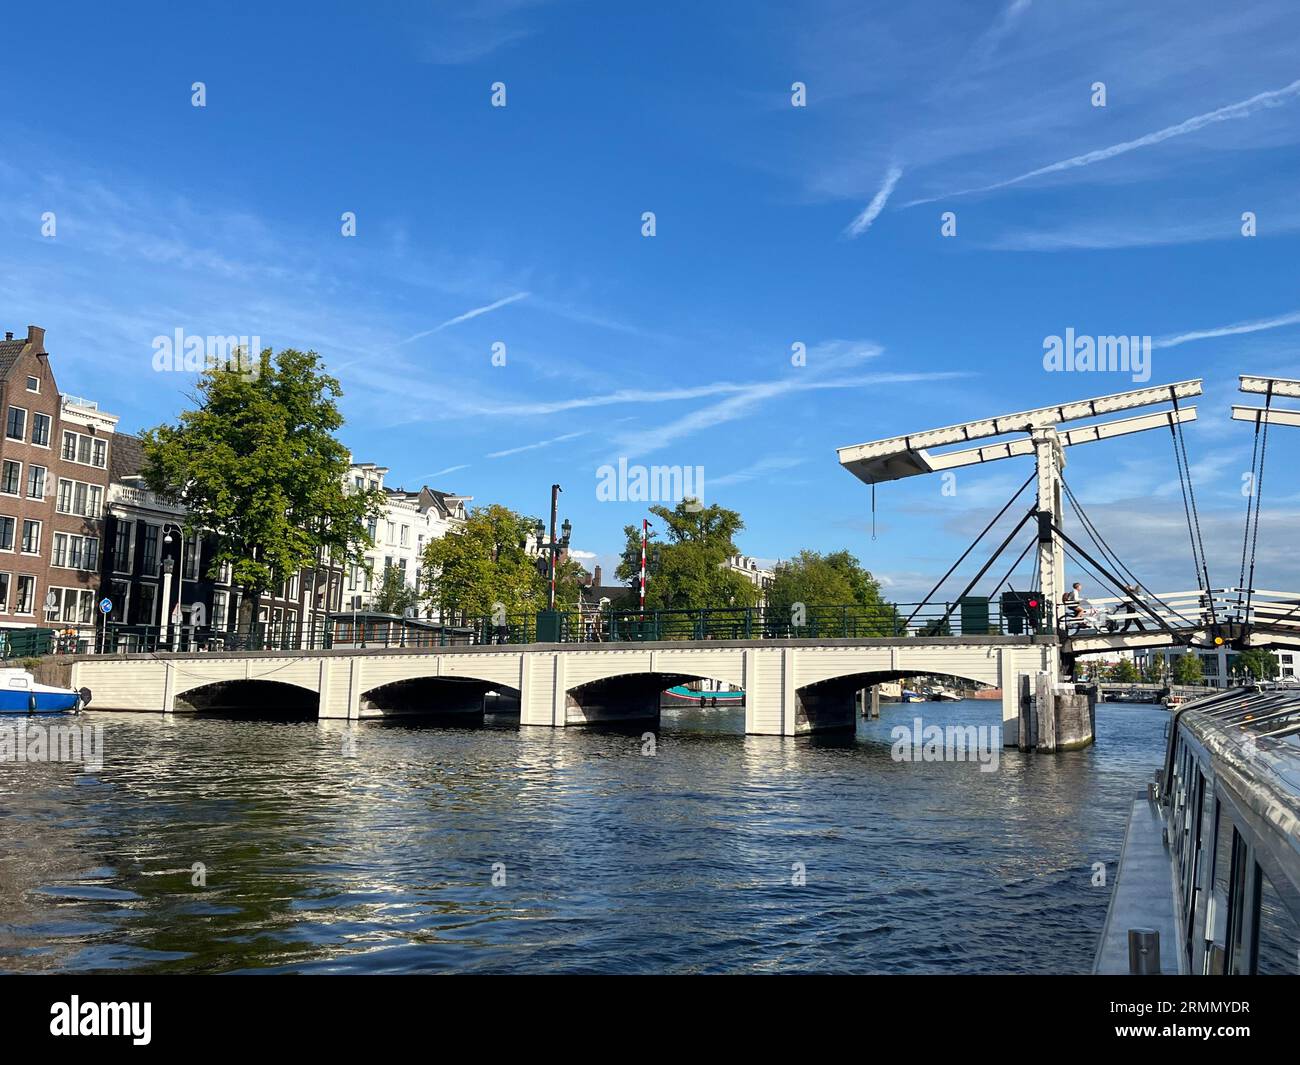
{"points": [[36, 339], [596, 579], [9, 334]]}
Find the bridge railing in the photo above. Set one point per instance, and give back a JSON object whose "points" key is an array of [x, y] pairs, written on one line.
{"points": [[888, 620], [1134, 613]]}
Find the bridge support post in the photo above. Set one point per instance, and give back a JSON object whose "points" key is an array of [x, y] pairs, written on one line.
{"points": [[1054, 716]]}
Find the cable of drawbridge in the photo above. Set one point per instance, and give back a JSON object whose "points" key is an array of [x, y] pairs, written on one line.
{"points": [[952, 569], [1199, 561], [1067, 543], [1012, 570], [1259, 499], [1110, 554]]}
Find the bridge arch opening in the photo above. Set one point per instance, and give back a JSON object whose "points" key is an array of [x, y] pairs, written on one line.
{"points": [[832, 703], [251, 699], [463, 700], [626, 697]]}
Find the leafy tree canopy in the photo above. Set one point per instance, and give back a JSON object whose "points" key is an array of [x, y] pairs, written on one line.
{"points": [[816, 579], [484, 563], [1187, 669], [688, 570], [395, 595], [258, 469], [1259, 663]]}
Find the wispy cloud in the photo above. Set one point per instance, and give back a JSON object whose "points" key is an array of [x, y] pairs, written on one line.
{"points": [[1237, 329], [474, 313], [1241, 109], [983, 49], [741, 404], [539, 444], [443, 473], [869, 213], [771, 464]]}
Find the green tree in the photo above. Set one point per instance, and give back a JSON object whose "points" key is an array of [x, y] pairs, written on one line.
{"points": [[395, 595], [259, 470], [1126, 672], [1154, 671], [689, 570], [484, 563], [1258, 663], [1187, 669], [836, 579]]}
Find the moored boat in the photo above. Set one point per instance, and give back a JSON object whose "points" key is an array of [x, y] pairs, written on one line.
{"points": [[20, 693]]}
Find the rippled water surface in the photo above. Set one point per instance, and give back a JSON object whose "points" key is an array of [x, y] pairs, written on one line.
{"points": [[371, 848]]}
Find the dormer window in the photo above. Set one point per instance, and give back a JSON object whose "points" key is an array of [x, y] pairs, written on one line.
{"points": [[33, 384]]}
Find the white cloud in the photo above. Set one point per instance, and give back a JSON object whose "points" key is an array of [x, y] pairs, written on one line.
{"points": [[1241, 109], [869, 213], [467, 316], [1279, 322], [539, 444]]}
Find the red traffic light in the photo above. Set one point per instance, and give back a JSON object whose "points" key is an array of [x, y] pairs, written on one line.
{"points": [[1033, 602]]}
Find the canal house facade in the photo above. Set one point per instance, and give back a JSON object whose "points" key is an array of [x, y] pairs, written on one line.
{"points": [[55, 451]]}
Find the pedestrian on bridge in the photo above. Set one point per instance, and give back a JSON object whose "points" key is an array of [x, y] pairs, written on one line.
{"points": [[1131, 592]]}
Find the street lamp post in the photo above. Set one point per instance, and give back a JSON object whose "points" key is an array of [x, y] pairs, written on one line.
{"points": [[164, 621], [168, 568], [548, 625], [554, 545]]}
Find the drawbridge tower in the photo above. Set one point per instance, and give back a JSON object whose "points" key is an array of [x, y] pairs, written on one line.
{"points": [[1045, 434]]}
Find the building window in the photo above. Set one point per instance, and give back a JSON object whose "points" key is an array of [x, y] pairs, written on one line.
{"points": [[190, 565], [146, 614], [7, 534], [35, 482], [406, 535], [11, 477], [77, 497], [150, 567], [41, 430], [16, 423], [75, 552], [122, 547], [26, 594], [223, 573], [31, 537], [85, 450], [33, 384], [72, 605], [4, 593], [219, 600]]}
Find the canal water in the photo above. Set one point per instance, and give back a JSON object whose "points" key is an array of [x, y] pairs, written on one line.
{"points": [[234, 845]]}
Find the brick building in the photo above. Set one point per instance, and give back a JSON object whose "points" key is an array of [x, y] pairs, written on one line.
{"points": [[54, 456]]}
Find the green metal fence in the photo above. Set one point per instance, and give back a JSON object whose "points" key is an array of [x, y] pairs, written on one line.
{"points": [[971, 617]]}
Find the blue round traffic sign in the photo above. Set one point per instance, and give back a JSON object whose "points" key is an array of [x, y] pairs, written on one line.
{"points": [[105, 605]]}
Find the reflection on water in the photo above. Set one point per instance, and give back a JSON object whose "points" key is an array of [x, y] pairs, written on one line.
{"points": [[371, 848]]}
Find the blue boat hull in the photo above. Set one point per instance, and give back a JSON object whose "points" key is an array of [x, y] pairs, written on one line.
{"points": [[21, 702]]}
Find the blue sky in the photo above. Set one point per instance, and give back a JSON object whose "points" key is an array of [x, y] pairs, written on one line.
{"points": [[776, 225]]}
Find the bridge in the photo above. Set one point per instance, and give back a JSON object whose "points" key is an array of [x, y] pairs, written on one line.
{"points": [[791, 687], [800, 673]]}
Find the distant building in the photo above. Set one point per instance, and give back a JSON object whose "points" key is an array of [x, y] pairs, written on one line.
{"points": [[749, 568], [1218, 665], [410, 520]]}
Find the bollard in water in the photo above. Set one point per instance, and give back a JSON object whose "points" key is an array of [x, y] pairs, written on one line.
{"points": [[1143, 951]]}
